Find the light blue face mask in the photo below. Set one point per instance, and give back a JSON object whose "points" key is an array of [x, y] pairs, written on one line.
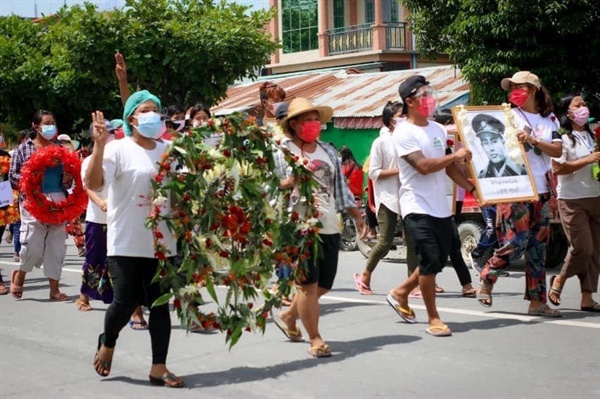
{"points": [[48, 131], [149, 125]]}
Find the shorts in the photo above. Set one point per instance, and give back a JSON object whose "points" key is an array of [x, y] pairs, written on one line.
{"points": [[432, 238], [323, 271]]}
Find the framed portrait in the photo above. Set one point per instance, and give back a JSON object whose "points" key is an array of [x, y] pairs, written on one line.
{"points": [[499, 167]]}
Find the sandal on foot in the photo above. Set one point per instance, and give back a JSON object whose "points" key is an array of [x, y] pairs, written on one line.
{"points": [[484, 299], [439, 331], [138, 325], [469, 292], [544, 311], [83, 306], [3, 290], [408, 315], [60, 297], [416, 294], [362, 288], [554, 291], [102, 367], [169, 380], [320, 351], [15, 290], [294, 335], [439, 290], [594, 308]]}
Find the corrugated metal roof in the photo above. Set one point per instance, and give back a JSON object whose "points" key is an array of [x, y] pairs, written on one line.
{"points": [[353, 95]]}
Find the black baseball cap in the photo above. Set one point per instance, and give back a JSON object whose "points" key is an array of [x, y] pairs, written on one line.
{"points": [[409, 88]]}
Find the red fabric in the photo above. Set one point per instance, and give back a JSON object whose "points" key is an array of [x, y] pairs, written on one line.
{"points": [[355, 179]]}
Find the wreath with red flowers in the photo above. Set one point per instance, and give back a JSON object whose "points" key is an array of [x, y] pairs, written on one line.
{"points": [[32, 177], [4, 165]]}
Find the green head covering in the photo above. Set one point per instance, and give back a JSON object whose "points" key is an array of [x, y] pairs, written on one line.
{"points": [[131, 105], [116, 123]]}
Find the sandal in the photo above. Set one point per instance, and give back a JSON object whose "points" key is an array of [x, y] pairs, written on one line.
{"points": [[3, 290], [593, 308], [362, 288], [138, 325], [439, 290], [485, 299], [169, 380], [439, 331], [320, 351], [15, 290], [408, 315], [545, 311], [469, 292], [60, 297], [83, 305], [294, 335], [102, 367], [554, 291]]}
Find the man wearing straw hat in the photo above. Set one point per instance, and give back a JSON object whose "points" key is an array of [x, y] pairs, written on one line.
{"points": [[303, 127]]}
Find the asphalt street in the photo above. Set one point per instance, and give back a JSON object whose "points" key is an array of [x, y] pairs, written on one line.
{"points": [[46, 348]]}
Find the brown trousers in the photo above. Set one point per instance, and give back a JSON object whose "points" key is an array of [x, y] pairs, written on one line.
{"points": [[581, 221]]}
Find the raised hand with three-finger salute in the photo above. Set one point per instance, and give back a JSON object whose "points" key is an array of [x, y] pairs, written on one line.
{"points": [[93, 175]]}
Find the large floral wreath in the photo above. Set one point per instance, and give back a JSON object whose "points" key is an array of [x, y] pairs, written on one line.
{"points": [[234, 226], [32, 177]]}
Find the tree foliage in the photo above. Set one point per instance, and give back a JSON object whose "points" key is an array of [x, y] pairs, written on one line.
{"points": [[559, 40], [185, 51]]}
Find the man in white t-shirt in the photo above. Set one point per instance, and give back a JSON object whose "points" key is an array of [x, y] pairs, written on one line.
{"points": [[420, 146]]}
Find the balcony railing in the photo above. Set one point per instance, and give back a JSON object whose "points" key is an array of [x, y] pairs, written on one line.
{"points": [[350, 39], [353, 39], [395, 35]]}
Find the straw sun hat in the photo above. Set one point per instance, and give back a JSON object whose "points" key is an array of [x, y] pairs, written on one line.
{"points": [[299, 106]]}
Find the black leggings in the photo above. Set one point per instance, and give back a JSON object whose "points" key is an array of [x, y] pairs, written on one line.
{"points": [[131, 278]]}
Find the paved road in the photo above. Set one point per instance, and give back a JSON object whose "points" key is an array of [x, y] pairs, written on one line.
{"points": [[46, 348]]}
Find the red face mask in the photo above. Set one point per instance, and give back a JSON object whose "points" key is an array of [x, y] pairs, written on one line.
{"points": [[309, 131], [427, 106], [518, 97]]}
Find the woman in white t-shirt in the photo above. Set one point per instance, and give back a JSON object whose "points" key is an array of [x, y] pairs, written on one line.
{"points": [[578, 202], [523, 228], [127, 167]]}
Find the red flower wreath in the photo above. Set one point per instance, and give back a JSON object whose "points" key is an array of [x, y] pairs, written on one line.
{"points": [[32, 176], [4, 165]]}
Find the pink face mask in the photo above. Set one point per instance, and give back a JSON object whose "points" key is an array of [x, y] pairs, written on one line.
{"points": [[309, 131], [580, 116], [427, 106], [518, 97]]}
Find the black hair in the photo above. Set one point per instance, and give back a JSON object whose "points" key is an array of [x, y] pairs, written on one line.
{"points": [[562, 109], [24, 134], [197, 108], [174, 109], [348, 157], [39, 115], [389, 110], [444, 116]]}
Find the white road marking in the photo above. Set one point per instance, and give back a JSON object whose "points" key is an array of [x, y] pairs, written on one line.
{"points": [[476, 313]]}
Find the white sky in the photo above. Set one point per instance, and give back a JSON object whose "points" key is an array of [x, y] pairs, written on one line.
{"points": [[26, 8]]}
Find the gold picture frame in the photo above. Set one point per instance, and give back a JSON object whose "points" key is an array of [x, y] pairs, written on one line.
{"points": [[499, 167]]}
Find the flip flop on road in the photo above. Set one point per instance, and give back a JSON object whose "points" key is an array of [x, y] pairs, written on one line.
{"points": [[15, 290], [60, 297], [408, 315], [544, 311], [554, 292], [320, 351], [594, 308], [138, 325], [83, 306], [294, 335], [3, 290], [439, 331], [362, 288]]}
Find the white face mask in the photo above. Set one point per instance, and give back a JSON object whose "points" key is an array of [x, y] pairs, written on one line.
{"points": [[199, 123]]}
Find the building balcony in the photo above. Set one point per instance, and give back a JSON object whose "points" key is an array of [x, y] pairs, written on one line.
{"points": [[357, 38]]}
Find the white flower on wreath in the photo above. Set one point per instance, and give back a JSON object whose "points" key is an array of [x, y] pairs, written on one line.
{"points": [[510, 135]]}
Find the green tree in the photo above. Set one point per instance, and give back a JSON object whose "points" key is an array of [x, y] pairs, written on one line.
{"points": [[185, 51], [559, 40]]}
